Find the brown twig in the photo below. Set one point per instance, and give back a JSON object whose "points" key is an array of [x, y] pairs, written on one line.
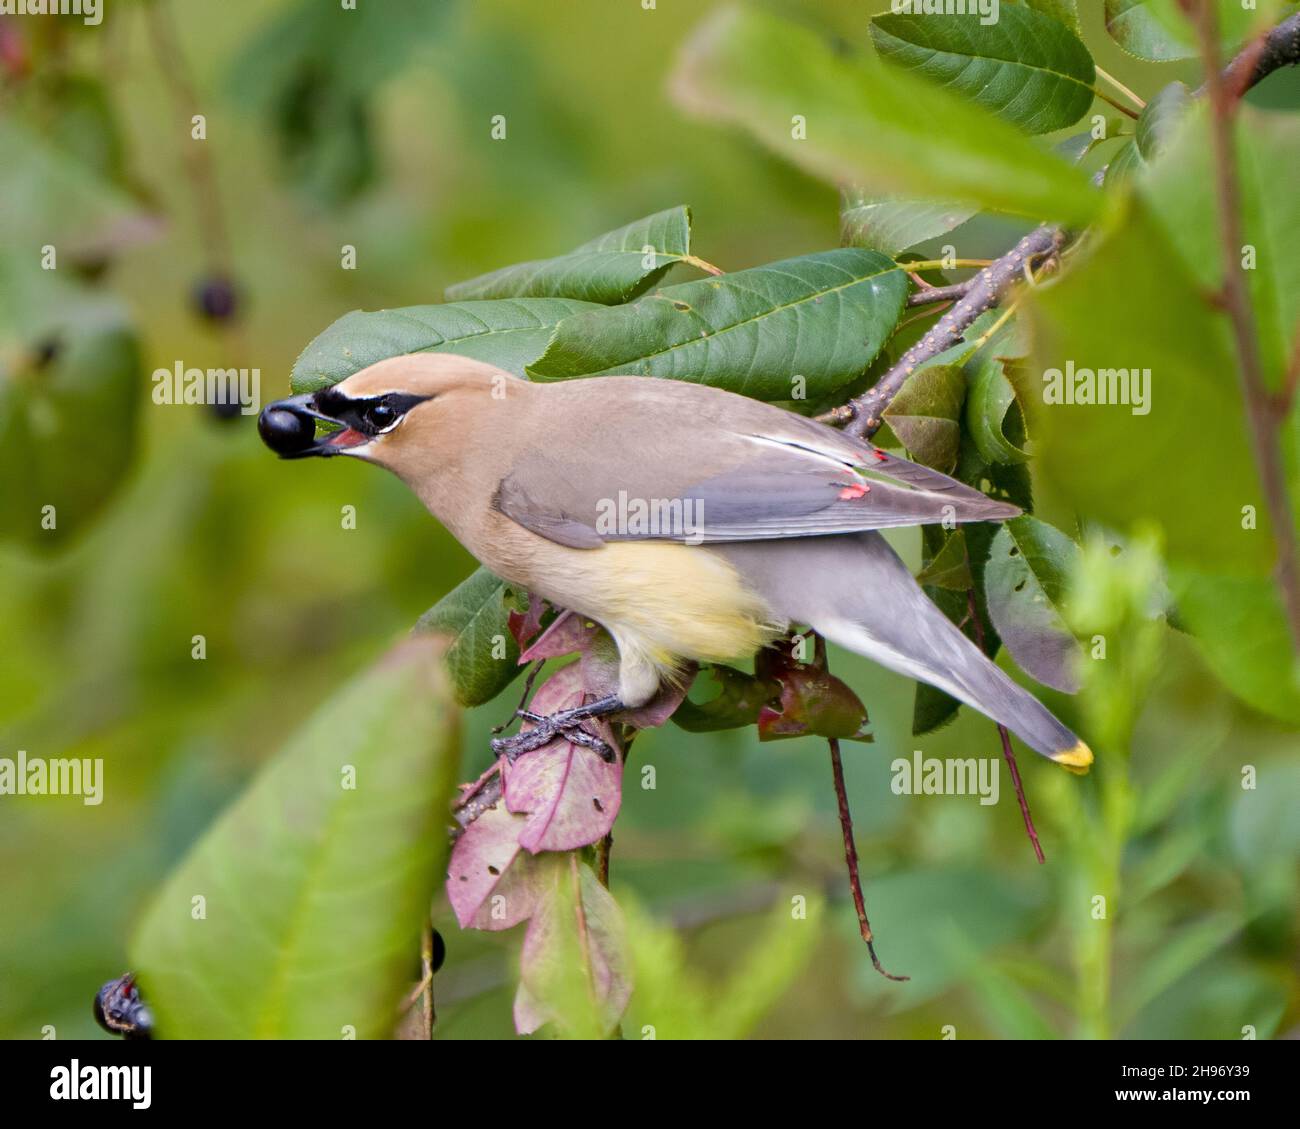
{"points": [[933, 294], [851, 859], [1277, 48], [1236, 302], [972, 613], [863, 415]]}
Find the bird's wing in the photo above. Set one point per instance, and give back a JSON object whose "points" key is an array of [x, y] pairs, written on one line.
{"points": [[684, 468]]}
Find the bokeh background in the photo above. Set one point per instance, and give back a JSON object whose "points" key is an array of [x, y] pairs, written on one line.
{"points": [[377, 135]]}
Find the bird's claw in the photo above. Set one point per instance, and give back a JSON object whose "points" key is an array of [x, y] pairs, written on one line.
{"points": [[544, 731]]}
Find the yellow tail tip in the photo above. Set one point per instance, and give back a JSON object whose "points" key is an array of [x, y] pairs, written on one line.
{"points": [[1077, 759]]}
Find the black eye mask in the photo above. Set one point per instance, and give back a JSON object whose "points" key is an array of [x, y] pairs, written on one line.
{"points": [[371, 416]]}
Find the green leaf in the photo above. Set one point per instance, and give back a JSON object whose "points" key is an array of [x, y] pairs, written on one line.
{"points": [[1180, 188], [310, 75], [1026, 67], [1175, 455], [948, 568], [822, 316], [1131, 25], [70, 392], [612, 268], [508, 332], [1241, 629], [722, 697], [926, 415], [1157, 126], [998, 432], [892, 225], [314, 892], [1067, 11], [1160, 30], [853, 119], [1024, 583], [475, 616]]}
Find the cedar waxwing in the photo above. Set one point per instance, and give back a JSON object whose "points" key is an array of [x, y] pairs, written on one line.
{"points": [[690, 522]]}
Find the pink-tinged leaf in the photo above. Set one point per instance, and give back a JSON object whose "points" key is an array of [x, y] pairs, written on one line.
{"points": [[571, 796], [524, 625], [480, 860], [813, 702], [574, 965], [567, 634], [529, 1014]]}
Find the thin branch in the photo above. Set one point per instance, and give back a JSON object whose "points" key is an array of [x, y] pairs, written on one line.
{"points": [[934, 294], [972, 613], [1236, 302], [1123, 109], [1138, 102], [1278, 48], [851, 859], [863, 414]]}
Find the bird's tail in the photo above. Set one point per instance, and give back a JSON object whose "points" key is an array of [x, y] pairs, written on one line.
{"points": [[856, 592]]}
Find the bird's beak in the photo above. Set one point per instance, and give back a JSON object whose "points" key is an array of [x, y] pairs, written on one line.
{"points": [[288, 427]]}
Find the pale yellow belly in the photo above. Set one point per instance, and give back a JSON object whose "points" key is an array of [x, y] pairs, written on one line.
{"points": [[662, 602]]}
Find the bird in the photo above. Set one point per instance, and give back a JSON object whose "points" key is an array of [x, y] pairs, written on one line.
{"points": [[694, 524]]}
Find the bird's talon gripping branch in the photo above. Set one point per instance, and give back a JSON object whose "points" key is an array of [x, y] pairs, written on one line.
{"points": [[567, 723]]}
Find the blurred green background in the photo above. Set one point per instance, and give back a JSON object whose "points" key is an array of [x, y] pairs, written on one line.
{"points": [[381, 140]]}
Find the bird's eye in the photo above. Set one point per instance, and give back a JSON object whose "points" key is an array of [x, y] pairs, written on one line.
{"points": [[381, 415]]}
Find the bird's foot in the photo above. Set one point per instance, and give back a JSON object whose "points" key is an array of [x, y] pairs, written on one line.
{"points": [[565, 723]]}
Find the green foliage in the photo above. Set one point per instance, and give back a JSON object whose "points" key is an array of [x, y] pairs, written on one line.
{"points": [[507, 332], [475, 616], [611, 268], [926, 415], [823, 317], [1089, 320], [314, 893], [314, 885], [892, 225], [69, 402], [1026, 67], [1025, 583]]}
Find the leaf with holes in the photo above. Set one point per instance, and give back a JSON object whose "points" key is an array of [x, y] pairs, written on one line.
{"points": [[491, 882], [506, 332], [822, 316], [1024, 582], [1026, 67], [609, 269]]}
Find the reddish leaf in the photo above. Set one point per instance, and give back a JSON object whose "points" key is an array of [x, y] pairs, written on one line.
{"points": [[813, 702], [569, 633], [524, 625], [480, 862], [569, 793], [574, 965]]}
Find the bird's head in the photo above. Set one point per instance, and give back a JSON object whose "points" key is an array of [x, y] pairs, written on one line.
{"points": [[385, 411]]}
